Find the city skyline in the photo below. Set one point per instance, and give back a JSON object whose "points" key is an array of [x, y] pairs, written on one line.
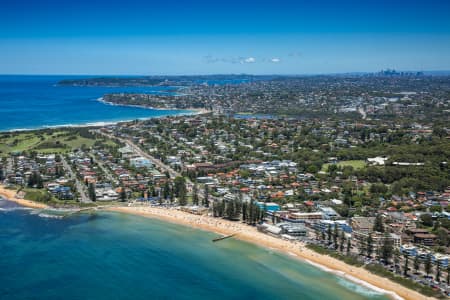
{"points": [[264, 37]]}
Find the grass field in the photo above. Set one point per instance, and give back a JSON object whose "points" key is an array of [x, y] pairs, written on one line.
{"points": [[57, 141], [356, 164]]}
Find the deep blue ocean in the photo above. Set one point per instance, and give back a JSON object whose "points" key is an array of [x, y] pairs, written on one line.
{"points": [[117, 256], [30, 102]]}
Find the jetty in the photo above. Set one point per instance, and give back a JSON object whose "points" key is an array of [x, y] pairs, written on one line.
{"points": [[223, 237]]}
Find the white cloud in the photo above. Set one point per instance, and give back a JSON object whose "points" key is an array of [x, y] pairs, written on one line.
{"points": [[249, 60], [275, 60], [209, 59]]}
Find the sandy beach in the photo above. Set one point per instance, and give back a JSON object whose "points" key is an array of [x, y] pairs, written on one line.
{"points": [[195, 111], [12, 196], [296, 249], [252, 235]]}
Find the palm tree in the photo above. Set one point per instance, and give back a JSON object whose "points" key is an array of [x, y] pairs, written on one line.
{"points": [[195, 194], [341, 248], [438, 272], [448, 275], [416, 263], [428, 265], [405, 268], [206, 196], [335, 236], [329, 233], [369, 245], [396, 260], [386, 249], [362, 246]]}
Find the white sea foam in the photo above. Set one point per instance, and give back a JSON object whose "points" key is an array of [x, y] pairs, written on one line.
{"points": [[50, 216], [355, 284], [14, 208], [186, 112]]}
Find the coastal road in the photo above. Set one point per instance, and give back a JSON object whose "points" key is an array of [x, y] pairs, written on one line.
{"points": [[160, 164], [80, 187], [154, 160], [105, 171]]}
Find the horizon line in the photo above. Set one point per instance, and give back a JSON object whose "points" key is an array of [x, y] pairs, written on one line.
{"points": [[229, 74]]}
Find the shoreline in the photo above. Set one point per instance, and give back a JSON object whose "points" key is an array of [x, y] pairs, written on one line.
{"points": [[243, 232], [195, 111], [297, 249], [11, 195], [189, 112]]}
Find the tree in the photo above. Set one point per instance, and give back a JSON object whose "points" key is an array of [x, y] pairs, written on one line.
{"points": [[442, 236], [426, 219], [171, 194], [378, 224], [405, 268], [378, 188], [180, 190], [362, 246], [349, 246], [369, 245], [416, 264], [329, 233], [335, 236], [428, 264], [182, 197], [438, 272], [123, 194], [230, 209], [166, 190], [179, 185], [341, 246], [35, 179], [195, 194], [206, 196], [439, 131], [448, 275], [387, 249], [244, 211], [396, 260], [91, 192]]}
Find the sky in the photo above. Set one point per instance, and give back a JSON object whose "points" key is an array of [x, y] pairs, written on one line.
{"points": [[137, 37]]}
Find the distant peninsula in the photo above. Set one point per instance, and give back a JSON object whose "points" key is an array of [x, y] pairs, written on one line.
{"points": [[142, 81]]}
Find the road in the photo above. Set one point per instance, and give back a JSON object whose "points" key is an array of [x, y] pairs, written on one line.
{"points": [[80, 187], [154, 160], [160, 164], [105, 171]]}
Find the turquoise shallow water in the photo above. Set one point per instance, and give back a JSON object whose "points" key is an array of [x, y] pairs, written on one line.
{"points": [[118, 256], [30, 102]]}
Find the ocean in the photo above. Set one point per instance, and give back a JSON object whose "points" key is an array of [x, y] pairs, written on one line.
{"points": [[105, 255], [32, 102]]}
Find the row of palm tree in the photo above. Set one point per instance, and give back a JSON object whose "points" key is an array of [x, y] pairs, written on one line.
{"points": [[385, 252]]}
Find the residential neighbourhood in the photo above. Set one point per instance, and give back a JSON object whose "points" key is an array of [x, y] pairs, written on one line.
{"points": [[371, 190]]}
